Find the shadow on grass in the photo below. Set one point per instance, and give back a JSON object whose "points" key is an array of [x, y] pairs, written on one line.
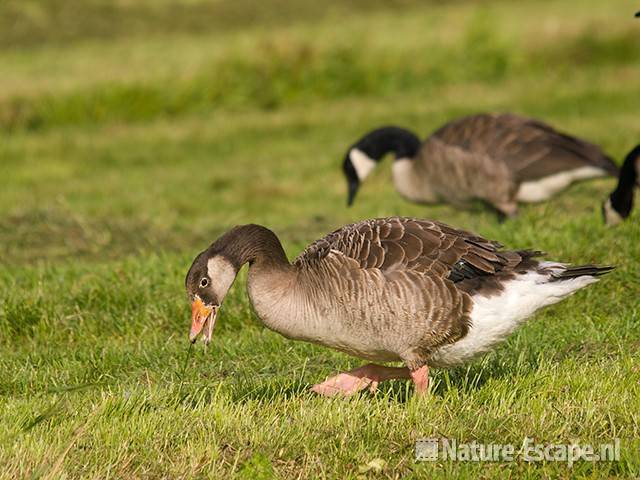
{"points": [[496, 366], [59, 233], [464, 379]]}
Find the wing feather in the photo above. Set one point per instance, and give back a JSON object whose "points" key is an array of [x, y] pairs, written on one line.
{"points": [[531, 148], [410, 245]]}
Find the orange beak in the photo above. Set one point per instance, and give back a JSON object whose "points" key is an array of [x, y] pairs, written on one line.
{"points": [[202, 317]]}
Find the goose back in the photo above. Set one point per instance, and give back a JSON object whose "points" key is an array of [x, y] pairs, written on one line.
{"points": [[529, 148]]}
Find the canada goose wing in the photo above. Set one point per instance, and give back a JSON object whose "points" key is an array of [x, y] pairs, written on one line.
{"points": [[401, 244], [530, 148]]}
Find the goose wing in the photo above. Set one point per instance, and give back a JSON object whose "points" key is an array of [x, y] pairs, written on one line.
{"points": [[530, 148], [398, 245]]}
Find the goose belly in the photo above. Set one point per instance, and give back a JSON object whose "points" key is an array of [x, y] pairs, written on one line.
{"points": [[494, 318], [350, 336], [546, 187]]}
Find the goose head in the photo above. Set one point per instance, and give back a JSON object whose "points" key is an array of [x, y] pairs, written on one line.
{"points": [[207, 283], [363, 156], [213, 271], [357, 165]]}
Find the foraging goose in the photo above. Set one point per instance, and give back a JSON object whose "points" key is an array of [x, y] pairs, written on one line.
{"points": [[617, 207], [501, 159], [389, 289]]}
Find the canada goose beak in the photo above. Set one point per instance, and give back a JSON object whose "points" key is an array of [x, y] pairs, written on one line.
{"points": [[353, 189], [203, 317]]}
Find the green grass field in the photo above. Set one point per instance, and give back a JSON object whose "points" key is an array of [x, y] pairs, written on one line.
{"points": [[134, 132]]}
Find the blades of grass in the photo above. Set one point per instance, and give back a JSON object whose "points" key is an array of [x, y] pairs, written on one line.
{"points": [[74, 388], [79, 431], [50, 412], [182, 372]]}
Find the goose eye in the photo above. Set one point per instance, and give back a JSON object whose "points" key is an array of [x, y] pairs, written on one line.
{"points": [[204, 282]]}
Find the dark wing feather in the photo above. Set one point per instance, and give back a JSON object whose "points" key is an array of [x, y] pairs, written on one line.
{"points": [[532, 149]]}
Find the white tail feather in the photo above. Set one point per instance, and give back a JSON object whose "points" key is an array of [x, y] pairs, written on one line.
{"points": [[493, 318]]}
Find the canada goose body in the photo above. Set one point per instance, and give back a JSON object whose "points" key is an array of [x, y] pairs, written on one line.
{"points": [[501, 159], [391, 289]]}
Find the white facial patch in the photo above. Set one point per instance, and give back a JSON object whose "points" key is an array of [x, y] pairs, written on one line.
{"points": [[362, 163], [222, 275]]}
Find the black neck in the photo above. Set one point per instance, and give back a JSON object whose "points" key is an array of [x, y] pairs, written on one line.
{"points": [[251, 244], [379, 142], [622, 196]]}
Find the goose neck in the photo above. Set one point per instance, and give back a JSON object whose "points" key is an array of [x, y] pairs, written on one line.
{"points": [[253, 244], [622, 197], [400, 141]]}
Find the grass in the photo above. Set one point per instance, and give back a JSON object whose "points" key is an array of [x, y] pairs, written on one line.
{"points": [[132, 138]]}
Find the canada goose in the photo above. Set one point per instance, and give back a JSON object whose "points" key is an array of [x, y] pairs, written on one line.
{"points": [[501, 159], [617, 207], [389, 289]]}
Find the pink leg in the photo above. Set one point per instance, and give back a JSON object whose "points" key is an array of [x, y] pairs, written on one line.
{"points": [[421, 379], [358, 379]]}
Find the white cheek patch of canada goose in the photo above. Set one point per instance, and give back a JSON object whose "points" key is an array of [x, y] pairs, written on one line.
{"points": [[362, 163], [391, 289], [499, 159]]}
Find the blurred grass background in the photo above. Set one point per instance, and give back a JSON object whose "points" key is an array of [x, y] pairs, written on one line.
{"points": [[133, 132]]}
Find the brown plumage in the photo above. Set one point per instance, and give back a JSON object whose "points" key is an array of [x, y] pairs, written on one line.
{"points": [[498, 158], [422, 264], [385, 289], [530, 148]]}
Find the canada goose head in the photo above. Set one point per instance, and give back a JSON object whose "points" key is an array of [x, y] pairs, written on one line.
{"points": [[213, 271], [362, 157], [207, 283], [617, 207]]}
